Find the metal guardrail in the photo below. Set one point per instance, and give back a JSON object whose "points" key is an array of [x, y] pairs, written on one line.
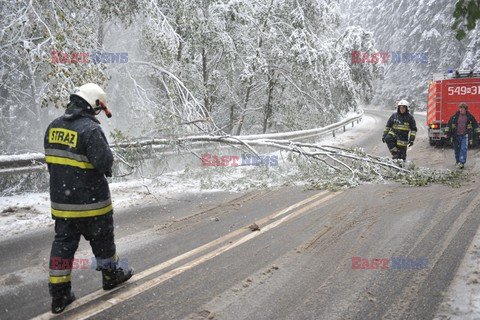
{"points": [[31, 162]]}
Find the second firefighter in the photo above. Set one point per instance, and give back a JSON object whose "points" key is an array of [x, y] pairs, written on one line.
{"points": [[400, 131]]}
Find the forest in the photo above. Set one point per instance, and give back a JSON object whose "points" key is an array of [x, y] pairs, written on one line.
{"points": [[176, 68]]}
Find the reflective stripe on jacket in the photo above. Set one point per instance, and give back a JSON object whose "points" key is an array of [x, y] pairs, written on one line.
{"points": [[78, 156], [402, 126]]}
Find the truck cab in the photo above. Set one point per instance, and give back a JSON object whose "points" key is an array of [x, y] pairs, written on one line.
{"points": [[445, 92]]}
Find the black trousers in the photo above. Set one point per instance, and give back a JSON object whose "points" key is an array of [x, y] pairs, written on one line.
{"points": [[397, 151], [97, 230]]}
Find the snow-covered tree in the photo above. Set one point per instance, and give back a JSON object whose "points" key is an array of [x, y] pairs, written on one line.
{"points": [[412, 27], [255, 63], [35, 73], [236, 66]]}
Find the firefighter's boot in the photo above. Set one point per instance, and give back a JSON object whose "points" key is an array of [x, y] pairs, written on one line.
{"points": [[113, 277], [61, 301], [395, 152]]}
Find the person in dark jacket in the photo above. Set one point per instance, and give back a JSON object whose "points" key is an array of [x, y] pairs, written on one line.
{"points": [[462, 128], [400, 131], [79, 159]]}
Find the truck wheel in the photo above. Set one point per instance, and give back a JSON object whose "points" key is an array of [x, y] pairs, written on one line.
{"points": [[432, 142]]}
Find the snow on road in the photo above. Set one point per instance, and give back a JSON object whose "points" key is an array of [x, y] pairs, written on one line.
{"points": [[22, 213], [31, 211], [462, 301]]}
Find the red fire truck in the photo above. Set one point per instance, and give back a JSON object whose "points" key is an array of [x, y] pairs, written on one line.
{"points": [[445, 92]]}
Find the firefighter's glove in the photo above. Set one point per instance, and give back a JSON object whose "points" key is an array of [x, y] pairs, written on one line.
{"points": [[383, 139], [410, 143], [108, 174]]}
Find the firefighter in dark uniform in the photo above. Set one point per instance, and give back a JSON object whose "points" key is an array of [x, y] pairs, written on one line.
{"points": [[79, 159], [400, 131]]}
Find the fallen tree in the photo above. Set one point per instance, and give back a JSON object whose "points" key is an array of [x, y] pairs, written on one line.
{"points": [[309, 164], [320, 166]]}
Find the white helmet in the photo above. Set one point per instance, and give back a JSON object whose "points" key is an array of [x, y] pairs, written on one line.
{"points": [[403, 103], [91, 92]]}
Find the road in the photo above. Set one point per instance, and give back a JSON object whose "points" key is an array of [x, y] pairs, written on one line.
{"points": [[199, 257]]}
